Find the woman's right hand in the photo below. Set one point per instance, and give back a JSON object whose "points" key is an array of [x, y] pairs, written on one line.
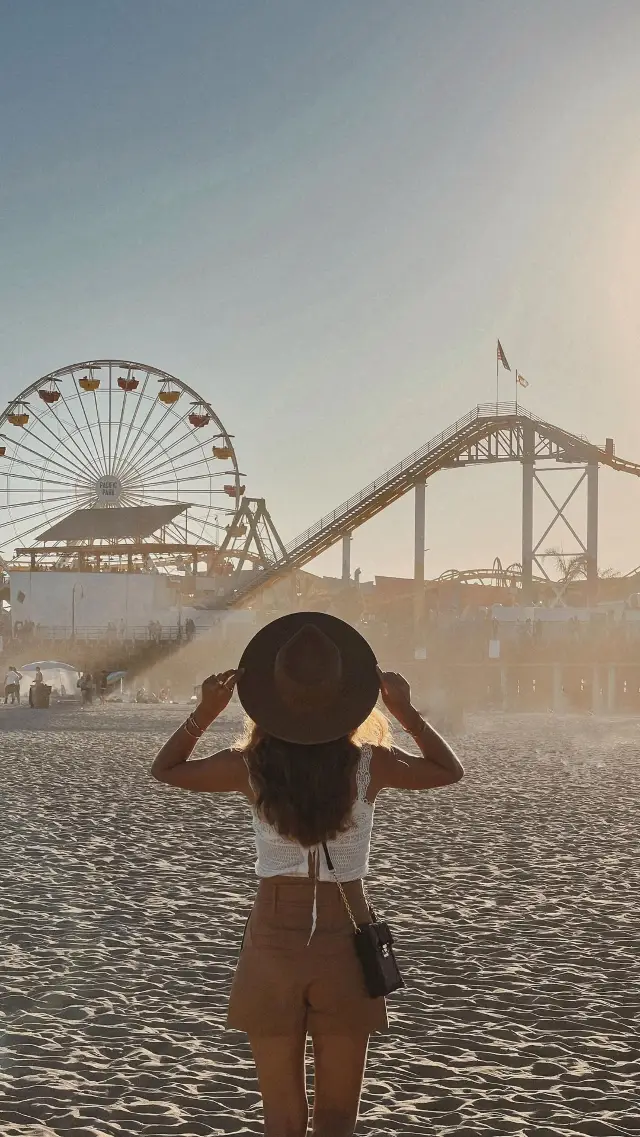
{"points": [[396, 694], [216, 694]]}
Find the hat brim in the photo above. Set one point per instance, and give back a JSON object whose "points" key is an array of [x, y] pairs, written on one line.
{"points": [[353, 704]]}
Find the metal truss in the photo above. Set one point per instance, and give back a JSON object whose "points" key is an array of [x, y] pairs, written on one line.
{"points": [[491, 433], [583, 553], [252, 539]]}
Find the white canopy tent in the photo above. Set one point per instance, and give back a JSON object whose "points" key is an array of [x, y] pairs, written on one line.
{"points": [[61, 677]]}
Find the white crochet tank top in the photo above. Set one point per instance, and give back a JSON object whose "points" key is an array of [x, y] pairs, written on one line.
{"points": [[349, 852]]}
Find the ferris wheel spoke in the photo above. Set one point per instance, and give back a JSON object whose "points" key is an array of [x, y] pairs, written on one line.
{"points": [[181, 491], [196, 534], [189, 477], [43, 459], [109, 422], [44, 502], [193, 527], [71, 485], [185, 530], [155, 442], [55, 477], [54, 461], [130, 501], [99, 426], [60, 476], [86, 419], [31, 480], [9, 523], [81, 457], [179, 535], [165, 499], [22, 534], [141, 431], [154, 464], [117, 458], [152, 443], [123, 404], [167, 461], [53, 458], [72, 481], [78, 437], [71, 459], [168, 468]]}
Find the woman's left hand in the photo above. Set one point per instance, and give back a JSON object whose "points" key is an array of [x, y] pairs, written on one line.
{"points": [[216, 694]]}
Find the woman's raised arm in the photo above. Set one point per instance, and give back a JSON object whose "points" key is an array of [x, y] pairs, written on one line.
{"points": [[224, 771], [396, 768]]}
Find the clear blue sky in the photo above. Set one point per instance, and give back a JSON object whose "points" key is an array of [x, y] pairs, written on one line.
{"points": [[321, 215]]}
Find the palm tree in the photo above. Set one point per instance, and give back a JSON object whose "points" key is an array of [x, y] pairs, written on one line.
{"points": [[570, 567], [573, 567]]}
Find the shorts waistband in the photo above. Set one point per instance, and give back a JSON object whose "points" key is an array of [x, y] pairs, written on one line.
{"points": [[276, 893]]}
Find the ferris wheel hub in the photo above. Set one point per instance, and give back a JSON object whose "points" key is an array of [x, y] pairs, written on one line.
{"points": [[108, 490]]}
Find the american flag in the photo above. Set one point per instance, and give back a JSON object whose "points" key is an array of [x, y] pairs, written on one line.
{"points": [[502, 357]]}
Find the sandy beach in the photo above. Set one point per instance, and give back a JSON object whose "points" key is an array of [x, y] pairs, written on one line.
{"points": [[515, 897]]}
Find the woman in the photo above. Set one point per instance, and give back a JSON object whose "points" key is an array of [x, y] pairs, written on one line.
{"points": [[312, 763]]}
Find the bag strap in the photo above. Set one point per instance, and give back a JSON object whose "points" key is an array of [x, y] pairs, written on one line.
{"points": [[344, 895]]}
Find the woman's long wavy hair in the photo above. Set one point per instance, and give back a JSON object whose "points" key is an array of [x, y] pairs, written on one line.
{"points": [[306, 792]]}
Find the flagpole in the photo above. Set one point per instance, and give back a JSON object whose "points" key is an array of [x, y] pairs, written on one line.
{"points": [[516, 390], [497, 380]]}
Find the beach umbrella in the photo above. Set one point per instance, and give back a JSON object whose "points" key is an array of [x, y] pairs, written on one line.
{"points": [[115, 675], [48, 665]]}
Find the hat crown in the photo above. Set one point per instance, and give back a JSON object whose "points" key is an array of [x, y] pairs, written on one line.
{"points": [[309, 659], [308, 678]]}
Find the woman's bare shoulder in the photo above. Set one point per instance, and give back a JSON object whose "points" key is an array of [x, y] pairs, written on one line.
{"points": [[395, 768], [223, 772]]}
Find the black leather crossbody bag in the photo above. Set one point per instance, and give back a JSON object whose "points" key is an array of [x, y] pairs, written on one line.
{"points": [[374, 947]]}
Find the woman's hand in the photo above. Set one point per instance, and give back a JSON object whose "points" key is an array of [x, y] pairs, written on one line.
{"points": [[396, 695], [216, 694]]}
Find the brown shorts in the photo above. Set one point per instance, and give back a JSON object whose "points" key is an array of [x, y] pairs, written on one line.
{"points": [[281, 986]]}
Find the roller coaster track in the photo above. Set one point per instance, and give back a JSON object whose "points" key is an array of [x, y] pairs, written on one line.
{"points": [[488, 433]]}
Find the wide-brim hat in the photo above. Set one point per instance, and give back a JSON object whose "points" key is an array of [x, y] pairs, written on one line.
{"points": [[308, 678]]}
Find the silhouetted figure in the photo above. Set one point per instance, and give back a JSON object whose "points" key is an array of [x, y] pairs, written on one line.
{"points": [[85, 683], [12, 685]]}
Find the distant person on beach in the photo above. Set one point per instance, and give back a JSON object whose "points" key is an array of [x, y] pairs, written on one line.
{"points": [[103, 686], [12, 685], [38, 682], [85, 683], [313, 759]]}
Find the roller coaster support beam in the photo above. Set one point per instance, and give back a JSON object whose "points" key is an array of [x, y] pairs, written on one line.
{"points": [[592, 532], [346, 558], [418, 572], [528, 468]]}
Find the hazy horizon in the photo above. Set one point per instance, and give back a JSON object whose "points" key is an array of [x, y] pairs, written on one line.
{"points": [[322, 217]]}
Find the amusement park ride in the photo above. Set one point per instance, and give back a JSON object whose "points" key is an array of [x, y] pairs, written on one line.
{"points": [[113, 465]]}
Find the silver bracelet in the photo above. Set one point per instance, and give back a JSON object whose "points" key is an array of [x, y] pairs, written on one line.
{"points": [[420, 730], [192, 722]]}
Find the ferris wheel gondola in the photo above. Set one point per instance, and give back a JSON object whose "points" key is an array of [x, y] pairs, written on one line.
{"points": [[100, 434]]}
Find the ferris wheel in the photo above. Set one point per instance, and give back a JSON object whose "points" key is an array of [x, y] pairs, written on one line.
{"points": [[111, 433]]}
